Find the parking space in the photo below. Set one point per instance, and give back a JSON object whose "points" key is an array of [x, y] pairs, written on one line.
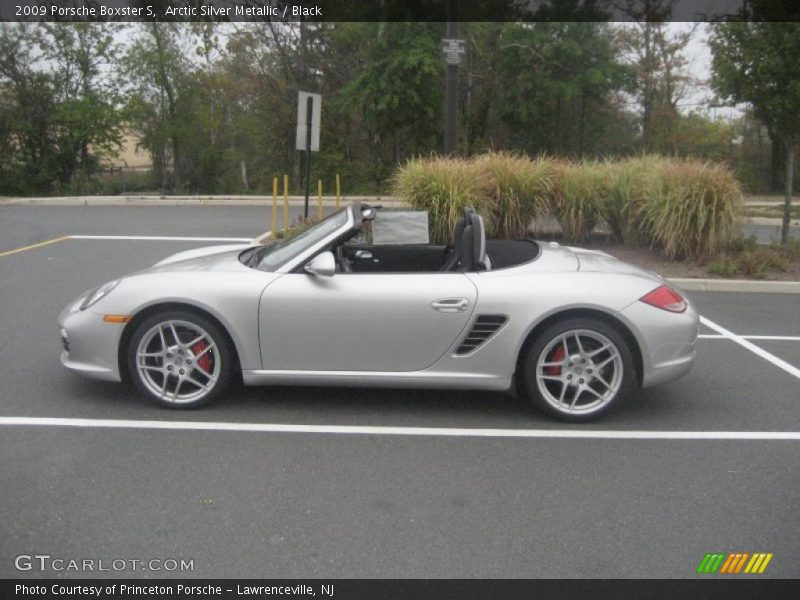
{"points": [[28, 224], [317, 503], [788, 350], [752, 314]]}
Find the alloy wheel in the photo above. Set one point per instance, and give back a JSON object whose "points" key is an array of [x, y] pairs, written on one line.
{"points": [[178, 361], [579, 372]]}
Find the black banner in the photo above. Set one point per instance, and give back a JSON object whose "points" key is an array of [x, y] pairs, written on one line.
{"points": [[397, 10], [397, 589]]}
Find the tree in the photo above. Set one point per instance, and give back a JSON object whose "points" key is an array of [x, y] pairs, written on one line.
{"points": [[29, 163], [57, 111], [398, 91], [557, 86], [479, 81], [88, 119], [662, 80], [154, 67], [757, 63]]}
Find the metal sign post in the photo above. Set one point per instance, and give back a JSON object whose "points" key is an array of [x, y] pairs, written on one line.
{"points": [[309, 111]]}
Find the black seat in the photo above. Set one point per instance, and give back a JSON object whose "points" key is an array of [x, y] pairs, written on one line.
{"points": [[454, 258], [473, 247], [469, 246]]}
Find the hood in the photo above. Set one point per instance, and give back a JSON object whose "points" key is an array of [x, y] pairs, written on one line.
{"points": [[601, 262], [211, 258]]}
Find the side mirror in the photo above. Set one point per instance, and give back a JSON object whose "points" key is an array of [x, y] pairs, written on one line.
{"points": [[322, 265]]}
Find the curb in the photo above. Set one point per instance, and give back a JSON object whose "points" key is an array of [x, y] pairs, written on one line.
{"points": [[737, 285]]}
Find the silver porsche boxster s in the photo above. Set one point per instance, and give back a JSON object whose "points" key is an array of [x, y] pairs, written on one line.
{"points": [[362, 299]]}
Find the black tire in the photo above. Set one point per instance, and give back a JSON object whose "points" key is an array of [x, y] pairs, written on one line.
{"points": [[195, 373], [571, 382]]}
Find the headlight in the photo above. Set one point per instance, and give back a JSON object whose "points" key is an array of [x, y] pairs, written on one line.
{"points": [[98, 294]]}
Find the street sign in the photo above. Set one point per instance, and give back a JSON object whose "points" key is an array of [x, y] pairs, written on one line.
{"points": [[454, 50], [309, 110]]}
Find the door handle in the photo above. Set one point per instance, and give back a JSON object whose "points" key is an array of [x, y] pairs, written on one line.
{"points": [[450, 305], [363, 255]]}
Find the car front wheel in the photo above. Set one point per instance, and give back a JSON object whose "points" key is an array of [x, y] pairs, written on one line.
{"points": [[578, 370], [180, 359]]}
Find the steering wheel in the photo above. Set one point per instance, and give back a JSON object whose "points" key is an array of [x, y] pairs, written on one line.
{"points": [[344, 263]]}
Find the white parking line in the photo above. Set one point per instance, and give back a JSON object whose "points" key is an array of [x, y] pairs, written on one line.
{"points": [[159, 238], [402, 431], [778, 362], [776, 338]]}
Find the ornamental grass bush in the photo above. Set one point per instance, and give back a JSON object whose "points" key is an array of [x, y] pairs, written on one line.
{"points": [[625, 196], [684, 207], [577, 198], [691, 208], [443, 187], [517, 190]]}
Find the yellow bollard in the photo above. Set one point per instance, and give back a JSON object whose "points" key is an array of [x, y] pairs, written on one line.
{"points": [[274, 205], [319, 193], [286, 202], [338, 192]]}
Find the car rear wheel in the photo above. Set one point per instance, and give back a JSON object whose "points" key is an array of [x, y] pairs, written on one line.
{"points": [[180, 359], [578, 370]]}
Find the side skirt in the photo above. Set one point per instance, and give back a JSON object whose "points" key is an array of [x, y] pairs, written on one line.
{"points": [[413, 379]]}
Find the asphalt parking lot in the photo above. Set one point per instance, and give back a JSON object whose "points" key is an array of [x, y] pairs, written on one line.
{"points": [[644, 495], [767, 234]]}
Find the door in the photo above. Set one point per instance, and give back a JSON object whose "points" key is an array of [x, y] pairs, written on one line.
{"points": [[362, 322]]}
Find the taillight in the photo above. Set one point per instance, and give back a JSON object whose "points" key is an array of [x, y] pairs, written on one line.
{"points": [[665, 298]]}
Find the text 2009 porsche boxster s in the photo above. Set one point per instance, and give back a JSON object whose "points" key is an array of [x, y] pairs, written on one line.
{"points": [[574, 330]]}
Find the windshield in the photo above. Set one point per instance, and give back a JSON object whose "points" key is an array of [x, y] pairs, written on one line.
{"points": [[269, 258]]}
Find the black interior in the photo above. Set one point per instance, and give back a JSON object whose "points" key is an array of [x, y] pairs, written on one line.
{"points": [[391, 258], [471, 251], [429, 258]]}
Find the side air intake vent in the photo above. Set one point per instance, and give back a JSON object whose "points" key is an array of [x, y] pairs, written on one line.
{"points": [[485, 327]]}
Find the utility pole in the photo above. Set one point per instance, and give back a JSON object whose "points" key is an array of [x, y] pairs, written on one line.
{"points": [[453, 50]]}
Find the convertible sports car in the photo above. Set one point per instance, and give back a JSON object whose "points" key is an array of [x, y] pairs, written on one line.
{"points": [[343, 303]]}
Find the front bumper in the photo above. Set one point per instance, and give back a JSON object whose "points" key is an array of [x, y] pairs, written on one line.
{"points": [[91, 345]]}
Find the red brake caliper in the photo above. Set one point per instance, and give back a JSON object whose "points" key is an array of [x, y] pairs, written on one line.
{"points": [[556, 355], [205, 362]]}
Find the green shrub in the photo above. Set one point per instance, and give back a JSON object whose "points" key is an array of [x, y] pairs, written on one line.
{"points": [[724, 267], [295, 228], [443, 187], [691, 208], [752, 264], [742, 244], [790, 250], [750, 260], [106, 184], [517, 191]]}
